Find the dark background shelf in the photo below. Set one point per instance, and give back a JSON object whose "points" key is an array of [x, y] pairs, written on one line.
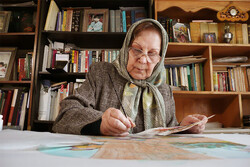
{"points": [[20, 40], [87, 39]]}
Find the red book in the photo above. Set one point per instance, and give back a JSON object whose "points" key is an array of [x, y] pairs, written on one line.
{"points": [[12, 106], [54, 59], [6, 109], [21, 64], [87, 61]]}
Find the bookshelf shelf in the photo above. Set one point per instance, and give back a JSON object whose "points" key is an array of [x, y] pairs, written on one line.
{"points": [[15, 82], [88, 39], [20, 40], [61, 76]]}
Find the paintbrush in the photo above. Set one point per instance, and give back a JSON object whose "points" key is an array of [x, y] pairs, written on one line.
{"points": [[118, 96]]}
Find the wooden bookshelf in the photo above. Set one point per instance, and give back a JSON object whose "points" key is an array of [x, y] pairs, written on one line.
{"points": [[229, 107], [24, 42]]}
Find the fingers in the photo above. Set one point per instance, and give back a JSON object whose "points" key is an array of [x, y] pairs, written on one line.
{"points": [[117, 114], [115, 123], [199, 128], [131, 122]]}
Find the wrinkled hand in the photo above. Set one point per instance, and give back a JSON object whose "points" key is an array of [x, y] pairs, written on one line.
{"points": [[114, 123], [192, 119]]}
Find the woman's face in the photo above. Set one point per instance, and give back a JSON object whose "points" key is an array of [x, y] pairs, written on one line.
{"points": [[141, 66]]}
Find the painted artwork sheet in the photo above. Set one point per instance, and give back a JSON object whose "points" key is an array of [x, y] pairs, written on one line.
{"points": [[164, 131]]}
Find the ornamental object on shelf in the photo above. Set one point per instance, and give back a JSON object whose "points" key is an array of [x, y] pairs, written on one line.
{"points": [[232, 13], [228, 36]]}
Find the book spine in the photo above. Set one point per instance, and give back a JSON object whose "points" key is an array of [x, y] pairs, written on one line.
{"points": [[6, 109], [112, 20], [12, 106], [124, 26]]}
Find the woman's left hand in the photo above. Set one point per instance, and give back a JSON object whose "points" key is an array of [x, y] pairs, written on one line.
{"points": [[192, 119]]}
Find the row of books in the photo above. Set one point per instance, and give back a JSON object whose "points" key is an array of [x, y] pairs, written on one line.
{"points": [[59, 55], [82, 19], [205, 31], [187, 77], [13, 106], [51, 94], [232, 79], [121, 19], [24, 67]]}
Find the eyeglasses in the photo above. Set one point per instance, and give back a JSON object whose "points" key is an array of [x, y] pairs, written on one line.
{"points": [[152, 57]]}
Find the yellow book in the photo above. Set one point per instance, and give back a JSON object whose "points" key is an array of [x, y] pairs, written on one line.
{"points": [[244, 34], [64, 20], [203, 29], [195, 32], [238, 32], [215, 81], [50, 23], [232, 30]]}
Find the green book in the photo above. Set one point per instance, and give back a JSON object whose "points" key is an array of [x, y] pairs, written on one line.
{"points": [[189, 79]]}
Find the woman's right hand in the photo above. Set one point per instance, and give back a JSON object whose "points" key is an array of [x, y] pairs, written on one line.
{"points": [[115, 123]]}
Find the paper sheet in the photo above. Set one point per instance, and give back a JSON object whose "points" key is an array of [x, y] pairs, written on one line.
{"points": [[164, 131], [30, 140]]}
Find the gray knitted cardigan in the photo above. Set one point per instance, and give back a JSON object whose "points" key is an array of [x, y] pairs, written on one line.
{"points": [[97, 95]]}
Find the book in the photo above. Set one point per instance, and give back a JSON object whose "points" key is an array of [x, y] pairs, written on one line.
{"points": [[50, 23], [181, 32], [7, 105], [21, 67], [69, 20], [140, 14], [244, 34], [238, 33], [17, 107], [64, 20], [12, 106], [76, 20], [128, 19], [195, 32], [232, 29], [118, 20], [112, 20], [124, 24], [23, 110]]}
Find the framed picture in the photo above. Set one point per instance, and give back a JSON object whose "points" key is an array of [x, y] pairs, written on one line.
{"points": [[7, 58], [209, 38], [181, 32], [4, 20], [95, 20]]}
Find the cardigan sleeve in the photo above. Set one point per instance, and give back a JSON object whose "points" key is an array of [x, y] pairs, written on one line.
{"points": [[77, 111]]}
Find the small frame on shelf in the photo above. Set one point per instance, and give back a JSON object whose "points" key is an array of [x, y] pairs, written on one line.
{"points": [[95, 20], [7, 58], [209, 38], [181, 32], [4, 21]]}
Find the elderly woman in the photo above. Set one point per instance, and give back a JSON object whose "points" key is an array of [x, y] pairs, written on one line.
{"points": [[138, 76]]}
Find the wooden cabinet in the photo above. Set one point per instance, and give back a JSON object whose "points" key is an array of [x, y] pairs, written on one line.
{"points": [[229, 107], [24, 40], [91, 40]]}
